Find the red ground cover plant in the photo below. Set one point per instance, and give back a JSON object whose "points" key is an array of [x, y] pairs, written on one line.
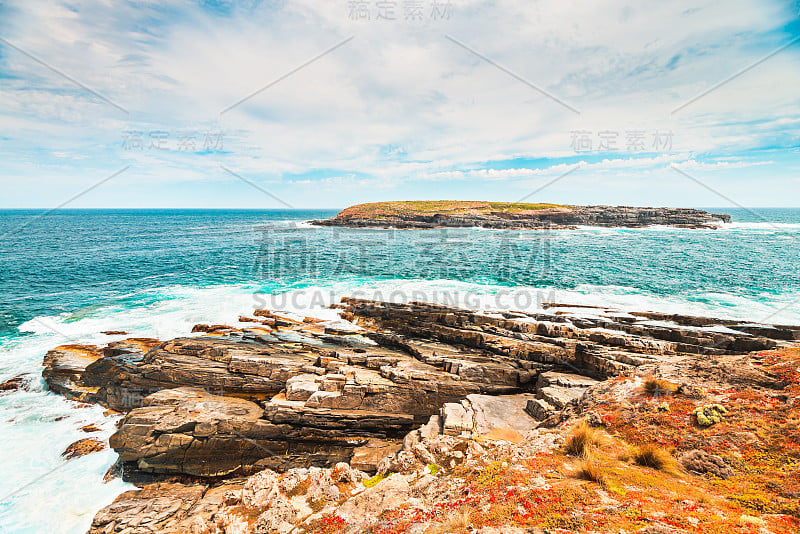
{"points": [[759, 438]]}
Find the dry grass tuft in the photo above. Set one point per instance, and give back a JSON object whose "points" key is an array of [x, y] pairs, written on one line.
{"points": [[587, 469], [582, 439], [656, 386], [654, 457], [458, 521]]}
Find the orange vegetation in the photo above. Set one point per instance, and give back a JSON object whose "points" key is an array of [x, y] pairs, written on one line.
{"points": [[377, 210], [626, 476]]}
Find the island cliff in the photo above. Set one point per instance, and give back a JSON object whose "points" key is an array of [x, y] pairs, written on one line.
{"points": [[504, 215], [425, 418]]}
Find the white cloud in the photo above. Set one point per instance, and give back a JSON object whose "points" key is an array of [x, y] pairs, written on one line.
{"points": [[400, 102], [643, 163]]}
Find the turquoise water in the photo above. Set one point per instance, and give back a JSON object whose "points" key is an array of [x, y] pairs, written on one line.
{"points": [[71, 274]]}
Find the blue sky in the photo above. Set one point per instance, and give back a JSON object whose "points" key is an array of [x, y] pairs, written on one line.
{"points": [[433, 99]]}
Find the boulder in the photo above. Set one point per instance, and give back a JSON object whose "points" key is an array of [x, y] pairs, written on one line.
{"points": [[559, 397], [366, 507], [190, 431], [64, 367], [456, 419], [367, 457], [13, 384], [82, 447], [540, 409], [700, 461]]}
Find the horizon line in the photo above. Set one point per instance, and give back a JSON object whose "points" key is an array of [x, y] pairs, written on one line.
{"points": [[340, 208]]}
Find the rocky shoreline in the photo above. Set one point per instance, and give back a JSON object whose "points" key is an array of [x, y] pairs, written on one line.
{"points": [[277, 423], [407, 215]]}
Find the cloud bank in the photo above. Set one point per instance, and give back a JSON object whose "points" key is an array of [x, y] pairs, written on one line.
{"points": [[351, 102]]}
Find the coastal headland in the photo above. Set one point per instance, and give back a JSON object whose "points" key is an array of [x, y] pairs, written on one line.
{"points": [[425, 418], [512, 216]]}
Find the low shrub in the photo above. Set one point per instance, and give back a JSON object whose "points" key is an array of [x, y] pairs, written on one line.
{"points": [[587, 469], [655, 386], [458, 521], [654, 457], [710, 414], [582, 439]]}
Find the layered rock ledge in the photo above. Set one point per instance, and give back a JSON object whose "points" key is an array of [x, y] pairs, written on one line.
{"points": [[427, 418], [504, 215], [288, 394]]}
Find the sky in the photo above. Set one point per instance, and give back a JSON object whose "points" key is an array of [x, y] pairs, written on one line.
{"points": [[325, 104]]}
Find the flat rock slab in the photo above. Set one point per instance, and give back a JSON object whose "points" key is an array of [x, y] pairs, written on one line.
{"points": [[566, 380], [382, 424], [487, 417], [599, 343], [502, 417]]}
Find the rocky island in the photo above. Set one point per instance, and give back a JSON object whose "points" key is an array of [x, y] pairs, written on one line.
{"points": [[425, 418], [515, 216]]}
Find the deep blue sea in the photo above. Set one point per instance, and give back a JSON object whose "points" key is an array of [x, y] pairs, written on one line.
{"points": [[68, 275]]}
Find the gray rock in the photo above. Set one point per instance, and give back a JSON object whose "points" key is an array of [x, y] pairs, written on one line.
{"points": [[540, 409], [456, 419], [432, 428], [558, 396], [301, 387], [327, 394], [501, 413], [565, 380], [700, 461]]}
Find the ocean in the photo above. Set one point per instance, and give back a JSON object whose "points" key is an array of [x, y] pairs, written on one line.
{"points": [[69, 275]]}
